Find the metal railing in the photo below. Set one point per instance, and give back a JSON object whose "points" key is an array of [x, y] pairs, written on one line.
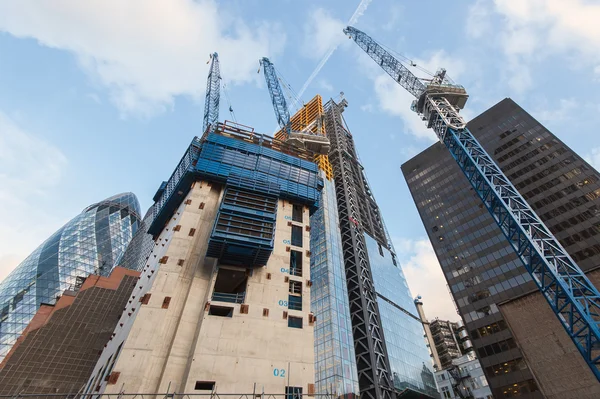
{"points": [[176, 395], [231, 298], [296, 271]]}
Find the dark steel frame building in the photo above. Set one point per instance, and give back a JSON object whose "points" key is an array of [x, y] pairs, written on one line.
{"points": [[391, 356]]}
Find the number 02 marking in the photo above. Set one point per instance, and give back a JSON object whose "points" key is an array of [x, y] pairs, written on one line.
{"points": [[279, 372]]}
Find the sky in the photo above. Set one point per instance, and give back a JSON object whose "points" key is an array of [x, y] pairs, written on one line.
{"points": [[103, 96]]}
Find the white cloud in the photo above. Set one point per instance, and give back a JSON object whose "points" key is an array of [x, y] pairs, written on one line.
{"points": [[395, 100], [593, 158], [322, 32], [29, 169], [324, 84], [478, 18], [146, 52], [561, 112], [532, 30], [424, 276]]}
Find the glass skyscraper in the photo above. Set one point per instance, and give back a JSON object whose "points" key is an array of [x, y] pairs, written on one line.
{"points": [[374, 299], [93, 242], [335, 363]]}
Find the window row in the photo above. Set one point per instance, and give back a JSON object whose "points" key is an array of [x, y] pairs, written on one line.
{"points": [[496, 348]]}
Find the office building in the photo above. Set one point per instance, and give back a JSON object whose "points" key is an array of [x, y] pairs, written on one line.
{"points": [[450, 340], [223, 302], [463, 378], [390, 351], [446, 340], [335, 362], [93, 242], [61, 345], [481, 268]]}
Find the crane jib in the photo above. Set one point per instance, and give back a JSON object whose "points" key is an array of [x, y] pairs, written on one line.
{"points": [[570, 294]]}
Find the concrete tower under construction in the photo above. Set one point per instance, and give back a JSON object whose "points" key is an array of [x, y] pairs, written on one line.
{"points": [[223, 302]]}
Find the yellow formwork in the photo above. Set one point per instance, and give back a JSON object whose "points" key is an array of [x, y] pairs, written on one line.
{"points": [[309, 119]]}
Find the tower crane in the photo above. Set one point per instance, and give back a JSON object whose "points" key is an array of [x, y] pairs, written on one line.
{"points": [[312, 142], [213, 93], [570, 294]]}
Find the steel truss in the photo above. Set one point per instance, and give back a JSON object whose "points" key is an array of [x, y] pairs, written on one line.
{"points": [[570, 294], [277, 96], [374, 376], [213, 94]]}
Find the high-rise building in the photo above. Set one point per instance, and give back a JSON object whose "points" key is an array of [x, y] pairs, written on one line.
{"points": [[223, 302], [389, 348], [61, 345], [93, 242], [448, 337], [447, 340], [480, 266]]}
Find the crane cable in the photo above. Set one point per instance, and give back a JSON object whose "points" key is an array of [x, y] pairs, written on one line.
{"points": [[225, 91], [292, 95]]}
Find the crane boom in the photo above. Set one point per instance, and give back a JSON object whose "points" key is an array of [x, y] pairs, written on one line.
{"points": [[387, 62], [570, 294], [213, 93], [318, 144], [277, 98]]}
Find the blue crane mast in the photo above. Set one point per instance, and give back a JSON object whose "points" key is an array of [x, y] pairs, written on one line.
{"points": [[312, 142], [277, 97], [570, 294], [213, 92]]}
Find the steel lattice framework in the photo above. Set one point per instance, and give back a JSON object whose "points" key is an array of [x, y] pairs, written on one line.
{"points": [[570, 294], [277, 96], [213, 93], [374, 376]]}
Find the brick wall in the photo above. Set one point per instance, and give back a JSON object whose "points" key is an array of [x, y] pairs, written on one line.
{"points": [[554, 360]]}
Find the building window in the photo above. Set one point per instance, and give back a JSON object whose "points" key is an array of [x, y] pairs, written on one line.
{"points": [[297, 213], [446, 393], [221, 311], [297, 236], [295, 296], [204, 385], [296, 263], [518, 389], [294, 322], [230, 286], [293, 392], [506, 367], [496, 347]]}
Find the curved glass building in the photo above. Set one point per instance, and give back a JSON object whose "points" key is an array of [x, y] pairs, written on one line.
{"points": [[92, 242]]}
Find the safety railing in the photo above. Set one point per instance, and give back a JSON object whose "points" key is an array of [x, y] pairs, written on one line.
{"points": [[231, 298], [176, 395]]}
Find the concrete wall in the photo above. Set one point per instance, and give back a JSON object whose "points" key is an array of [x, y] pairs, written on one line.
{"points": [[557, 365], [173, 348]]}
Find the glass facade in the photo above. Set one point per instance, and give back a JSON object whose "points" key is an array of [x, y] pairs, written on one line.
{"points": [[410, 362], [335, 363], [479, 264], [92, 242]]}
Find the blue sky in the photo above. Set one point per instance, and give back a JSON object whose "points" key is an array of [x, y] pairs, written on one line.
{"points": [[103, 96]]}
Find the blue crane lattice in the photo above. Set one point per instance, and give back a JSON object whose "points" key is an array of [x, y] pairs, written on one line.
{"points": [[277, 97], [571, 295], [213, 93]]}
